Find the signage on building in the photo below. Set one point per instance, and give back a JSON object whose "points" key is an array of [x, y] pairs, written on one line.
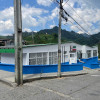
{"points": [[72, 48]]}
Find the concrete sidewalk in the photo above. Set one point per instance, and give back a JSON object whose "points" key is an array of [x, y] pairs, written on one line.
{"points": [[9, 77]]}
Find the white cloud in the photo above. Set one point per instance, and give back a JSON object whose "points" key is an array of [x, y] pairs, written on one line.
{"points": [[6, 26], [7, 14], [80, 32], [31, 17], [55, 13], [89, 14], [37, 17], [52, 26], [44, 2], [27, 30]]}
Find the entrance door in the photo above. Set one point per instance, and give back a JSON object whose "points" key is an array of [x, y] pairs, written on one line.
{"points": [[79, 54]]}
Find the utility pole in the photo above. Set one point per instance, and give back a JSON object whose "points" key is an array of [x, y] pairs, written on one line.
{"points": [[18, 42], [59, 39]]}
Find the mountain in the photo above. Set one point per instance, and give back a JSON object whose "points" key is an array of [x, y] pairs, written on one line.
{"points": [[86, 35], [67, 35], [51, 35], [83, 39], [49, 31]]}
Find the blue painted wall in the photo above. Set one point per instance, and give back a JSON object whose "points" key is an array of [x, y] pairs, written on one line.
{"points": [[36, 69], [7, 67], [92, 63]]}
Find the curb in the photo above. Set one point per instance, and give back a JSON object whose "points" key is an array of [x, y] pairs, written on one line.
{"points": [[51, 77], [8, 83], [12, 84]]}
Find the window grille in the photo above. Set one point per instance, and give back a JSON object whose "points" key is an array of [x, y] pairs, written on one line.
{"points": [[38, 58], [94, 53], [53, 58], [88, 53]]}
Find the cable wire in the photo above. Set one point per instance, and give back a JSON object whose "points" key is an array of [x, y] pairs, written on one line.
{"points": [[75, 26], [73, 19], [65, 3], [78, 15]]}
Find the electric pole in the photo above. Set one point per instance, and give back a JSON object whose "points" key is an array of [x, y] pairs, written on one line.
{"points": [[18, 42], [59, 39]]}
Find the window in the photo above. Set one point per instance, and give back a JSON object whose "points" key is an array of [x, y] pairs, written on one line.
{"points": [[53, 58], [71, 55], [94, 53], [38, 58], [88, 53]]}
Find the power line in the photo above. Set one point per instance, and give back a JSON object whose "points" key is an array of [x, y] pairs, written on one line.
{"points": [[75, 26], [78, 15], [66, 19], [65, 3], [73, 19]]}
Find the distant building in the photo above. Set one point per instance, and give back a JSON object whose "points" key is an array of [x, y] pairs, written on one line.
{"points": [[6, 42], [44, 54]]}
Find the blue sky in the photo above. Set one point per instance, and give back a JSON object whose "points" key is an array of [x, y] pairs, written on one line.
{"points": [[42, 14]]}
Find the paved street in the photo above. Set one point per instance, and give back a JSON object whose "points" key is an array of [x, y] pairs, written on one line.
{"points": [[83, 87]]}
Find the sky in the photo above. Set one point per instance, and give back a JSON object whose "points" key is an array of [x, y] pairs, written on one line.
{"points": [[44, 14]]}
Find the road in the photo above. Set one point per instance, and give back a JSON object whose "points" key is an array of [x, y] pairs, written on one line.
{"points": [[83, 87]]}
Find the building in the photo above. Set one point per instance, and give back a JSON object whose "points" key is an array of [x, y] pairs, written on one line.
{"points": [[46, 54], [5, 42]]}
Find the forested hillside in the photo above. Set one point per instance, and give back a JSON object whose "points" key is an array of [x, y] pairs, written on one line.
{"points": [[51, 36]]}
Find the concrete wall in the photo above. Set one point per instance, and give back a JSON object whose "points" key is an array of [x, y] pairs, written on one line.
{"points": [[7, 58]]}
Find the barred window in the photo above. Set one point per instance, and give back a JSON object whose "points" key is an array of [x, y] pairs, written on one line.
{"points": [[88, 53], [53, 58], [72, 55], [38, 58], [94, 53]]}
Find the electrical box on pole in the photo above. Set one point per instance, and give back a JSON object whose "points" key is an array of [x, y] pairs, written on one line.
{"points": [[18, 42]]}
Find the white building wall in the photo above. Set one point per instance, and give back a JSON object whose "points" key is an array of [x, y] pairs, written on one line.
{"points": [[91, 48], [9, 58]]}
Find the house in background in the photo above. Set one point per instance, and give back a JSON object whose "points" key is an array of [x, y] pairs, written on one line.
{"points": [[6, 42]]}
